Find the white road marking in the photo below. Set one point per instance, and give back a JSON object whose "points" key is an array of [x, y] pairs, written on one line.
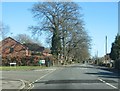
{"points": [[31, 84], [23, 84], [44, 76], [107, 83], [44, 70], [81, 68]]}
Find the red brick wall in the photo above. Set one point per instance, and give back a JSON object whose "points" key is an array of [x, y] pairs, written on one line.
{"points": [[18, 49]]}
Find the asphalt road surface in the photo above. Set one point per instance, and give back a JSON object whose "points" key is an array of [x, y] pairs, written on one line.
{"points": [[74, 77], [78, 77]]}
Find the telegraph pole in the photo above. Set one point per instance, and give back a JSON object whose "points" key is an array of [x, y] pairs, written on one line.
{"points": [[106, 45], [105, 49], [97, 58]]}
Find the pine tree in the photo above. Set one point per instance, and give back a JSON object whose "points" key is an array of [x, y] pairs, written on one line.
{"points": [[115, 50]]}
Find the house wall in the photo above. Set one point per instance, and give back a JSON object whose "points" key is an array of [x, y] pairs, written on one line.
{"points": [[13, 48]]}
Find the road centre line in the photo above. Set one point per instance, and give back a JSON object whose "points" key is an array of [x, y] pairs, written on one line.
{"points": [[31, 84], [107, 83], [44, 76], [44, 70]]}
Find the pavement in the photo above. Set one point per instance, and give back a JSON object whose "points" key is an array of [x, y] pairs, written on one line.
{"points": [[12, 84]]}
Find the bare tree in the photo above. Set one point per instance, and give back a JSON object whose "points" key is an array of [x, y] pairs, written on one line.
{"points": [[63, 20], [4, 30], [23, 38]]}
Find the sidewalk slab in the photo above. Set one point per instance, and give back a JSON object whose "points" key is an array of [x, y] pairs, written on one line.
{"points": [[11, 84]]}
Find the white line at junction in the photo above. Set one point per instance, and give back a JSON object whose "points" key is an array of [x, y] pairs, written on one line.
{"points": [[107, 83]]}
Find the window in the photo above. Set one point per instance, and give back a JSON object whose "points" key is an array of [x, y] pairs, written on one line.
{"points": [[11, 50]]}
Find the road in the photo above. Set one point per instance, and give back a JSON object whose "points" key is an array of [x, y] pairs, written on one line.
{"points": [[26, 76], [78, 77]]}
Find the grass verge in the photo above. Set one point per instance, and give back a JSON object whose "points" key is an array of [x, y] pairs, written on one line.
{"points": [[20, 68]]}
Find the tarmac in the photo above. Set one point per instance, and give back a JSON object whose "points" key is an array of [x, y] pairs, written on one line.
{"points": [[10, 84], [14, 83]]}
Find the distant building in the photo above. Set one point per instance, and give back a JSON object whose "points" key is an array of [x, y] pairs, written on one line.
{"points": [[106, 59], [47, 52]]}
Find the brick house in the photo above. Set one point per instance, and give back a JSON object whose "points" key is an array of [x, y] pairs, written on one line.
{"points": [[11, 47], [23, 54]]}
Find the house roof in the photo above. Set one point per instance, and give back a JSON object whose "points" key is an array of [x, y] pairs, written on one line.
{"points": [[30, 46], [13, 40], [34, 47]]}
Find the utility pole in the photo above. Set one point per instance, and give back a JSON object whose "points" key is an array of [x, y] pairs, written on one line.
{"points": [[105, 49], [97, 53], [97, 58], [106, 45]]}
